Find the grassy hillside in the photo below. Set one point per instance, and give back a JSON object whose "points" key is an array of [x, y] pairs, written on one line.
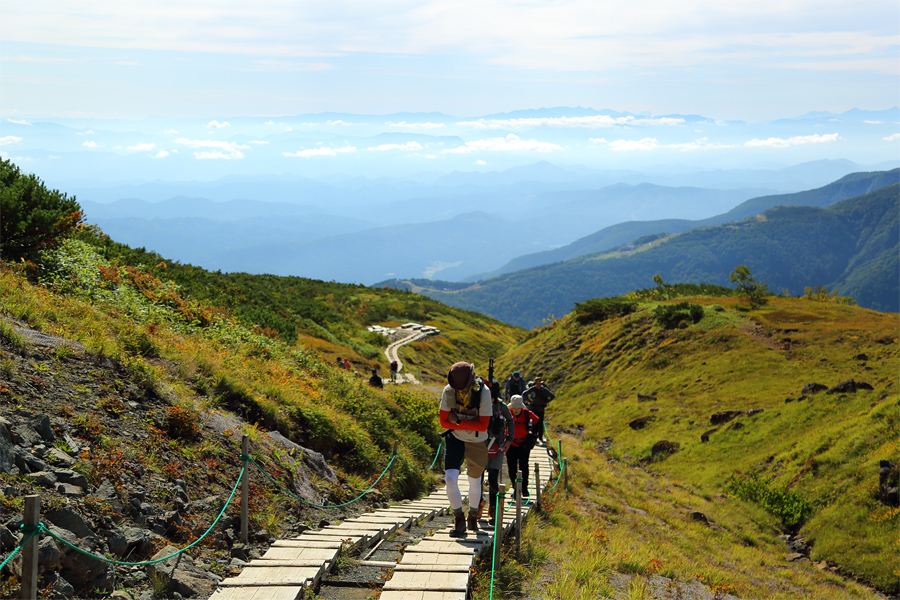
{"points": [[852, 244], [789, 461]]}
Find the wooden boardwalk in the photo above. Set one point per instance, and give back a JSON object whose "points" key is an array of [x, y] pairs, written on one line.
{"points": [[437, 568]]}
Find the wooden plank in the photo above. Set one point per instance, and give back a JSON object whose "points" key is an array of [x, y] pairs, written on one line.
{"points": [[320, 554], [431, 568], [258, 593], [305, 543], [424, 558], [421, 595], [277, 562], [432, 546], [428, 581]]}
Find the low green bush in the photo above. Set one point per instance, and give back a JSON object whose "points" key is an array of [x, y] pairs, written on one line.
{"points": [[600, 309], [670, 316], [792, 508]]}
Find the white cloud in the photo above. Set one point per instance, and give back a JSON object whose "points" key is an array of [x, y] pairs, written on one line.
{"points": [[170, 131], [215, 124], [480, 162], [162, 154], [338, 122], [874, 122], [893, 137], [405, 125], [89, 144], [310, 152], [225, 150], [510, 143], [408, 147], [632, 145], [19, 121], [793, 141], [143, 147], [9, 140], [88, 132], [270, 122], [592, 121]]}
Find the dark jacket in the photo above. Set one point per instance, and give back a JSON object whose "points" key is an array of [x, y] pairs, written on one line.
{"points": [[537, 398], [512, 388]]}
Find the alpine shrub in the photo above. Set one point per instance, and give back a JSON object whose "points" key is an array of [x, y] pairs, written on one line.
{"points": [[600, 309], [669, 316]]}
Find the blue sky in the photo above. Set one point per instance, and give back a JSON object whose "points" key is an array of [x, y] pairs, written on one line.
{"points": [[735, 59]]}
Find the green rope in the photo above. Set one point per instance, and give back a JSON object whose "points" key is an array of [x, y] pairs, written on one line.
{"points": [[436, 454], [558, 478], [150, 562], [35, 529], [294, 496]]}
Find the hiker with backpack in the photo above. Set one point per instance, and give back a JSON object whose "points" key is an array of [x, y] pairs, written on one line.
{"points": [[395, 366], [375, 380], [523, 441], [465, 412], [537, 397], [514, 385], [501, 431]]}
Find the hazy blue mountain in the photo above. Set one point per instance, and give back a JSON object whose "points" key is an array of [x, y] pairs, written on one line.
{"points": [[626, 232], [851, 246]]}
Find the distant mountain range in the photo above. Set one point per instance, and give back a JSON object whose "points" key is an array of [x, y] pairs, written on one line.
{"points": [[790, 243]]}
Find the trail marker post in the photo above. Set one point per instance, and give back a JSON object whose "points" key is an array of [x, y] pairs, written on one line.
{"points": [[30, 550], [518, 511], [498, 522], [245, 490]]}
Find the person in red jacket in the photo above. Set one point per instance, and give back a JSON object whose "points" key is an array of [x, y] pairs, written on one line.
{"points": [[465, 412], [523, 441]]}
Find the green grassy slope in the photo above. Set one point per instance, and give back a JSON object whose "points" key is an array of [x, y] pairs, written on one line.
{"points": [[822, 448], [792, 247]]}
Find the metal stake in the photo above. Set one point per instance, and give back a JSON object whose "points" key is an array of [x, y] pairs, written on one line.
{"points": [[30, 551]]}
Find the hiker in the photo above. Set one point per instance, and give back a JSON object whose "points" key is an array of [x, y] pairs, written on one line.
{"points": [[465, 412], [537, 397], [347, 364], [375, 380], [340, 363], [395, 366], [514, 385], [523, 441], [501, 431]]}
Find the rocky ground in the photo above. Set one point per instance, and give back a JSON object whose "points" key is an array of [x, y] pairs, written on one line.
{"points": [[123, 475]]}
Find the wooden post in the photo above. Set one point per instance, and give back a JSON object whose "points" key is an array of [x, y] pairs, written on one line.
{"points": [[391, 473], [245, 491], [566, 474], [498, 524], [518, 511], [538, 485], [559, 457], [30, 551]]}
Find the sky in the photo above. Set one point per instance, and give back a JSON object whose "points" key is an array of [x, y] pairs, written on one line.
{"points": [[737, 59]]}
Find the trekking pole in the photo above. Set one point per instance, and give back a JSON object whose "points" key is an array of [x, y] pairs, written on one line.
{"points": [[518, 511]]}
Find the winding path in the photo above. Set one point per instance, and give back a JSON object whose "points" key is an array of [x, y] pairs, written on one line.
{"points": [[392, 354]]}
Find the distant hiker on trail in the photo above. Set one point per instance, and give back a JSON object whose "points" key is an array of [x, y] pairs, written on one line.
{"points": [[514, 385], [347, 364], [501, 431], [340, 363], [375, 380], [395, 366], [465, 411], [523, 441], [537, 397]]}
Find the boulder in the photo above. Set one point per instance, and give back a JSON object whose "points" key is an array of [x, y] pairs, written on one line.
{"points": [[699, 517], [70, 476], [43, 479], [181, 574], [26, 435], [7, 457], [41, 425], [27, 462], [849, 386], [646, 397], [68, 519], [861, 356], [813, 388], [754, 411], [57, 456], [663, 447], [724, 416], [641, 422], [888, 480], [704, 437], [736, 425]]}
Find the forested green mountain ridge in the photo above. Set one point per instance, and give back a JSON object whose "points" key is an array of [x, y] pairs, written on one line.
{"points": [[854, 184], [851, 246]]}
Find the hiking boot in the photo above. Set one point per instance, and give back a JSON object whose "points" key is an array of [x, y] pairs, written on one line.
{"points": [[480, 509], [459, 527], [473, 522], [492, 513]]}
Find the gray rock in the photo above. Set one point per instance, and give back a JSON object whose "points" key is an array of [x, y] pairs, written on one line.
{"points": [[70, 476], [78, 568], [43, 478], [7, 458], [704, 437], [8, 541], [139, 542], [641, 422], [116, 541], [57, 456], [700, 517], [724, 416], [663, 447], [182, 576], [41, 425], [63, 588], [26, 435], [68, 519], [27, 462], [67, 489], [107, 491]]}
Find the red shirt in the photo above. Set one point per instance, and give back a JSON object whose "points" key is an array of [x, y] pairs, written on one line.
{"points": [[521, 423]]}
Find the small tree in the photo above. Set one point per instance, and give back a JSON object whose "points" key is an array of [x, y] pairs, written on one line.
{"points": [[31, 216], [748, 287]]}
